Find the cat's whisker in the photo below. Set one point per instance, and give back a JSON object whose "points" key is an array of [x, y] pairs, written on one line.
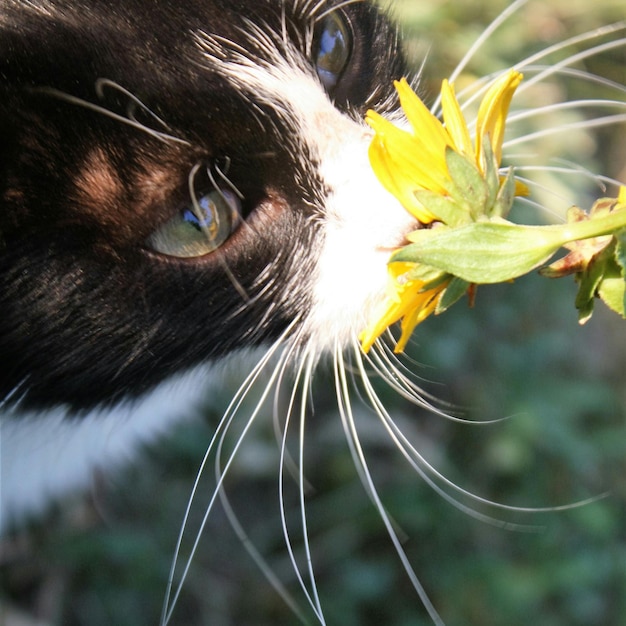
{"points": [[298, 398], [223, 427], [562, 201], [581, 76], [223, 175], [557, 67], [598, 122], [306, 386], [599, 181], [134, 101], [575, 40], [477, 89], [472, 93], [220, 475], [362, 468], [559, 107], [320, 16], [482, 39], [265, 568], [200, 212], [96, 108], [298, 401], [434, 478], [279, 421], [386, 365], [424, 469]]}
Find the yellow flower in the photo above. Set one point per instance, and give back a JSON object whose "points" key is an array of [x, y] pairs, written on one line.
{"points": [[410, 162], [408, 300]]}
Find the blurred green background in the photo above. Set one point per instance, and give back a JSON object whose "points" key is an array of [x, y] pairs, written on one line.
{"points": [[519, 353]]}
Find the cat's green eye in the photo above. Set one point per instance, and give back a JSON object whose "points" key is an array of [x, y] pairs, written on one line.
{"points": [[200, 228]]}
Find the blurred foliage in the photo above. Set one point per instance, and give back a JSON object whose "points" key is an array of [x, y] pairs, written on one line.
{"points": [[518, 354]]}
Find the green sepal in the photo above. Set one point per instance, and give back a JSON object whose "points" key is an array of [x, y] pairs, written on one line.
{"points": [[589, 282], [492, 180], [445, 208], [430, 276], [453, 293], [620, 250], [467, 186], [505, 196]]}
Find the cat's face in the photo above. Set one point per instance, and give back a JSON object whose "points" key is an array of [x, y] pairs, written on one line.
{"points": [[181, 180]]}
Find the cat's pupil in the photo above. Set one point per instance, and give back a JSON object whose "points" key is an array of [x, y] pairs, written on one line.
{"points": [[202, 217]]}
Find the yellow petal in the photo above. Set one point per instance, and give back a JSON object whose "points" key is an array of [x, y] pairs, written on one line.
{"points": [[374, 331], [454, 121], [426, 127], [416, 317], [397, 181], [425, 163], [493, 110], [406, 301]]}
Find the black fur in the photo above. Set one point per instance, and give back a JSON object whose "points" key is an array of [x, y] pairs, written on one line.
{"points": [[88, 313]]}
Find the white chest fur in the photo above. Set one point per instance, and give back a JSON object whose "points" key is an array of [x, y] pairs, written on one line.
{"points": [[45, 455]]}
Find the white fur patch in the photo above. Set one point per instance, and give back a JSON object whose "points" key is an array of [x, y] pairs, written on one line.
{"points": [[44, 456], [362, 220]]}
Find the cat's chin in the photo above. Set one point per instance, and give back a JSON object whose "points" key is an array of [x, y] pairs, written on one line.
{"points": [[350, 292]]}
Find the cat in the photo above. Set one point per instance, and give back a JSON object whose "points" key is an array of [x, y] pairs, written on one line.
{"points": [[154, 220], [182, 186]]}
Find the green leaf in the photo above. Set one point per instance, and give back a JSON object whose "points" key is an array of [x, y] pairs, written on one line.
{"points": [[482, 252], [612, 290], [613, 293], [589, 283], [453, 293], [620, 251], [496, 251]]}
